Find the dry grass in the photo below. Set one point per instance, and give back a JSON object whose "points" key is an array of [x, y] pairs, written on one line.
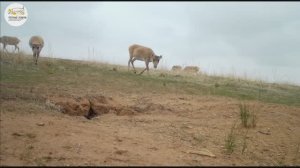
{"points": [[187, 112], [19, 68]]}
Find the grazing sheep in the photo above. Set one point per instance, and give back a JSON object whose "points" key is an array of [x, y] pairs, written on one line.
{"points": [[8, 40], [138, 52], [36, 43], [176, 68], [191, 69]]}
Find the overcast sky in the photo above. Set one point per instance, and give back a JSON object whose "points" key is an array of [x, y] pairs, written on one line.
{"points": [[259, 40]]}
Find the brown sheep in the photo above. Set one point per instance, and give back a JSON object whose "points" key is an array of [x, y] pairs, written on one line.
{"points": [[9, 40], [138, 52], [36, 43]]}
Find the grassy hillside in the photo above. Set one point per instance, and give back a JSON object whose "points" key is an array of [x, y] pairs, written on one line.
{"points": [[82, 77]]}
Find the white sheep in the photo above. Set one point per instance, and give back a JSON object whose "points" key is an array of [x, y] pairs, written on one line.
{"points": [[191, 69], [9, 40], [36, 43], [176, 68], [138, 52]]}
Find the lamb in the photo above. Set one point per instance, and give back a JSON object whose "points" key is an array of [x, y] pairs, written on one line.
{"points": [[138, 52], [9, 40], [176, 68], [191, 69], [36, 44]]}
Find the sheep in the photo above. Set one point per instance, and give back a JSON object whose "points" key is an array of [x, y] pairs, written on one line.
{"points": [[9, 40], [176, 68], [138, 52], [191, 69], [36, 43]]}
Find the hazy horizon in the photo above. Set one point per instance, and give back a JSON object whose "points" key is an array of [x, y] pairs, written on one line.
{"points": [[257, 40]]}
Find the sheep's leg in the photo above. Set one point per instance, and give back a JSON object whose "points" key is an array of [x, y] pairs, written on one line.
{"points": [[143, 71], [37, 57], [34, 57], [16, 47], [4, 48], [132, 61], [129, 63], [147, 68]]}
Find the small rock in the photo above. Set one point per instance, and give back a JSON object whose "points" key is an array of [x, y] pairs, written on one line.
{"points": [[17, 134], [153, 148], [266, 133], [120, 152], [30, 147], [265, 149], [118, 139], [203, 152], [40, 124]]}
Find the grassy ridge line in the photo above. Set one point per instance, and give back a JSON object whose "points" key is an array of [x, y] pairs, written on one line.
{"points": [[18, 69]]}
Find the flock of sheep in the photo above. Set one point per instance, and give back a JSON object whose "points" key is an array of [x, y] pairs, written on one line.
{"points": [[36, 43], [136, 52], [190, 69]]}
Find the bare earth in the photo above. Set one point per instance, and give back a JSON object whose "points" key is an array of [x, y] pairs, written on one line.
{"points": [[172, 129]]}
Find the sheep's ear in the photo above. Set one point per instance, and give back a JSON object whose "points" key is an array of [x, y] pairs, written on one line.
{"points": [[160, 57]]}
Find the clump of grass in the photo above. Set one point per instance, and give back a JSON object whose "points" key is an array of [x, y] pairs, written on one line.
{"points": [[31, 135], [230, 141], [248, 117], [217, 85], [244, 143]]}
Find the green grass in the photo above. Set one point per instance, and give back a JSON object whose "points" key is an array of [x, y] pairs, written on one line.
{"points": [[247, 116], [230, 140], [244, 147], [78, 76]]}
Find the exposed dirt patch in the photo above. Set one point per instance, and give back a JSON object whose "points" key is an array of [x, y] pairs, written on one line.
{"points": [[92, 106], [79, 106], [140, 129]]}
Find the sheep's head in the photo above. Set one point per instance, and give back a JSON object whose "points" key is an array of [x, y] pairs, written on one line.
{"points": [[156, 60], [36, 48]]}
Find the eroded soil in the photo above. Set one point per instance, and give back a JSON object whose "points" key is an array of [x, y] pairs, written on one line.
{"points": [[145, 129]]}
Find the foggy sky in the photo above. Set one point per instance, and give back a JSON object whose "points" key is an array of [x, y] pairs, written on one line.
{"points": [[259, 40]]}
